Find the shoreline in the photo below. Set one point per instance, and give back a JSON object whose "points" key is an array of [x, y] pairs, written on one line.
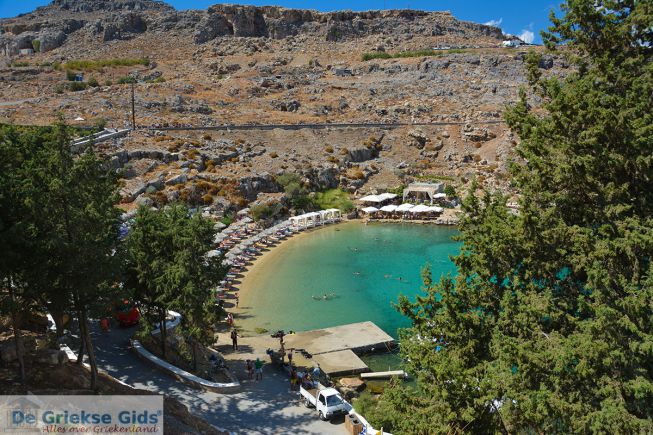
{"points": [[260, 264], [244, 286]]}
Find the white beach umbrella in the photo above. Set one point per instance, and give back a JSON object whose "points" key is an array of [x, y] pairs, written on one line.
{"points": [[388, 208], [386, 196], [370, 209], [405, 207], [370, 198], [421, 208]]}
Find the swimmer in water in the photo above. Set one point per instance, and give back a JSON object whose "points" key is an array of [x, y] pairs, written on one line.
{"points": [[387, 275], [357, 273]]}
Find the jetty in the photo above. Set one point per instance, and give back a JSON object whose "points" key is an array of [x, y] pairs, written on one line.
{"points": [[384, 375], [335, 349]]}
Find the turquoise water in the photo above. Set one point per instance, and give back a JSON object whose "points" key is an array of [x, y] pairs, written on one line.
{"points": [[362, 269]]}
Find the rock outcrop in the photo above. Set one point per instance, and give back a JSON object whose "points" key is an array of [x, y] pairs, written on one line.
{"points": [[124, 19]]}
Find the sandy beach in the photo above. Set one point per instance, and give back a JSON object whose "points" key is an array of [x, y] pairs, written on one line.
{"points": [[255, 274]]}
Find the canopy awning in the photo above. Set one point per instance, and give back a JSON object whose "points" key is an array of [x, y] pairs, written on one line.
{"points": [[370, 198], [370, 209], [436, 209], [405, 207], [389, 208], [421, 208]]}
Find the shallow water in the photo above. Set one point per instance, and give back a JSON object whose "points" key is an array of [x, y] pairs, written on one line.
{"points": [[361, 268]]}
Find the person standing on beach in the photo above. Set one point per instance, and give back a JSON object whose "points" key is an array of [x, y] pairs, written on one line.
{"points": [[237, 299], [250, 369], [258, 365], [234, 339]]}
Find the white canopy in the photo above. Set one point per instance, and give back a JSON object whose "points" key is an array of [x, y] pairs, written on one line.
{"points": [[378, 198], [436, 209], [370, 198], [389, 208], [440, 196], [421, 208], [405, 207], [370, 209], [387, 195]]}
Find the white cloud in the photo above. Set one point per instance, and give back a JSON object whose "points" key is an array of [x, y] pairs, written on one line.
{"points": [[494, 23], [527, 36]]}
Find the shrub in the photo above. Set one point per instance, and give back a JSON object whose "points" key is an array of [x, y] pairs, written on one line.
{"points": [[450, 191], [77, 86], [328, 149], [100, 124], [126, 80], [274, 155], [108, 83], [70, 75], [36, 45], [404, 54], [207, 137], [59, 89], [92, 82], [156, 80], [207, 198], [98, 64], [344, 151], [333, 198]]}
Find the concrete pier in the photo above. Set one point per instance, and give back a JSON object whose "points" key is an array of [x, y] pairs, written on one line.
{"points": [[334, 349]]}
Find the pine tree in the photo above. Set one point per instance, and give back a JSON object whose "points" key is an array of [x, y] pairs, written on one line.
{"points": [[548, 326]]}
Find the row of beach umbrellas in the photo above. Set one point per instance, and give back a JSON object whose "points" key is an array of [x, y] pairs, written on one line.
{"points": [[404, 208]]}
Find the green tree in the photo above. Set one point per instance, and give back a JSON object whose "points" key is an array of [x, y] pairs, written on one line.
{"points": [[167, 268], [294, 190], [76, 222], [548, 326], [194, 275], [63, 231], [14, 237]]}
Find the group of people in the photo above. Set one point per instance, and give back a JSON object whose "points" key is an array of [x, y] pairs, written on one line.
{"points": [[254, 367]]}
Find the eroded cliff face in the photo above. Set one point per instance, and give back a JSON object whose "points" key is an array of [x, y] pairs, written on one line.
{"points": [[108, 20], [261, 67]]}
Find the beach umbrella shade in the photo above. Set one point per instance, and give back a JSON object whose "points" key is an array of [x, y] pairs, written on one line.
{"points": [[386, 196], [405, 207], [370, 209], [370, 198], [421, 208], [388, 208]]}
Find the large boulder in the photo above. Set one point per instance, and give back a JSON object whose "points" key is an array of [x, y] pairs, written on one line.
{"points": [[49, 40], [251, 186], [212, 26], [361, 154], [123, 26]]}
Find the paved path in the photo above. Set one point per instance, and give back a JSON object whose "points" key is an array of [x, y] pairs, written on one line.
{"points": [[264, 407], [319, 126]]}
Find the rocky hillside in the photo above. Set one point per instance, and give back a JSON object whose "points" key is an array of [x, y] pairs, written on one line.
{"points": [[447, 80], [108, 20]]}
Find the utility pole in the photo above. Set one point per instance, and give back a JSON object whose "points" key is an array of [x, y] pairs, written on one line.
{"points": [[133, 109]]}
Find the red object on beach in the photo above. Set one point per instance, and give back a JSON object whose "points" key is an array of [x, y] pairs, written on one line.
{"points": [[126, 314]]}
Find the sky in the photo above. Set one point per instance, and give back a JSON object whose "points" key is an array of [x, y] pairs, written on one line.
{"points": [[522, 18]]}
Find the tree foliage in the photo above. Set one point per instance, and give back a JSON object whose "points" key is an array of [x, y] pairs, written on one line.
{"points": [[167, 269], [61, 227], [548, 326]]}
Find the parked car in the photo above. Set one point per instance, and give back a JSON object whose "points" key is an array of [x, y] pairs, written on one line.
{"points": [[126, 313]]}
